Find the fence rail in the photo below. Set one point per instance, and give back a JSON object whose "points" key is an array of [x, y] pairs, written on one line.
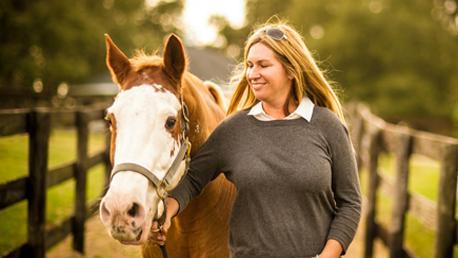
{"points": [[36, 123], [373, 136]]}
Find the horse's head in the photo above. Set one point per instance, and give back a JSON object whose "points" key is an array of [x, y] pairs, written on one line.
{"points": [[147, 137]]}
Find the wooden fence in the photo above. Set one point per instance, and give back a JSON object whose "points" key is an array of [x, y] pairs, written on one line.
{"points": [[373, 136], [37, 124]]}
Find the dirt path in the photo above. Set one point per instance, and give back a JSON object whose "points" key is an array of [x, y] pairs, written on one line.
{"points": [[99, 245]]}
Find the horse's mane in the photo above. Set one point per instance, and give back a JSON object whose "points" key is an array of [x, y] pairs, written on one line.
{"points": [[142, 60]]}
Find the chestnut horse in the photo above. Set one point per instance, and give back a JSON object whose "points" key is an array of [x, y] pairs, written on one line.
{"points": [[147, 130]]}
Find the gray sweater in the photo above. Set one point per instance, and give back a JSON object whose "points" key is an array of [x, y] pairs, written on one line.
{"points": [[297, 183]]}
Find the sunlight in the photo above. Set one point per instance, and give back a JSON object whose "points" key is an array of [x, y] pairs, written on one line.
{"points": [[196, 14]]}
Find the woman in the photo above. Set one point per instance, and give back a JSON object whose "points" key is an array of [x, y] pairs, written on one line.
{"points": [[288, 153]]}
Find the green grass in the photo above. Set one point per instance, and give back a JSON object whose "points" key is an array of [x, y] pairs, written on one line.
{"points": [[424, 180], [60, 198]]}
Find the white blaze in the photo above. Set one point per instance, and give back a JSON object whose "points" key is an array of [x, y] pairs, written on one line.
{"points": [[142, 138]]}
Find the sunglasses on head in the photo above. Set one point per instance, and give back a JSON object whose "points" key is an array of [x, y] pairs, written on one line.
{"points": [[275, 33]]}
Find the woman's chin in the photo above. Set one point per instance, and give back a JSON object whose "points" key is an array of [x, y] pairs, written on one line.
{"points": [[259, 94]]}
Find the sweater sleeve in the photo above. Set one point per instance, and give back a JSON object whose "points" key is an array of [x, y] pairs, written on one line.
{"points": [[345, 186], [203, 168]]}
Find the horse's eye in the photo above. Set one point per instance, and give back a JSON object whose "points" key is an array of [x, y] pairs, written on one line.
{"points": [[170, 123]]}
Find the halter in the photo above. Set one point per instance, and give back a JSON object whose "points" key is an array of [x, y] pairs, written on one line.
{"points": [[159, 185], [184, 154]]}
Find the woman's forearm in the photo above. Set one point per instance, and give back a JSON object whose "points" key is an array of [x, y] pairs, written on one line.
{"points": [[172, 207], [332, 249]]}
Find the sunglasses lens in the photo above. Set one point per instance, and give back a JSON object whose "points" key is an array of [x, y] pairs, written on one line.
{"points": [[275, 34]]}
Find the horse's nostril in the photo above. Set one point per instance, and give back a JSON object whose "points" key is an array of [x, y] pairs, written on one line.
{"points": [[133, 211]]}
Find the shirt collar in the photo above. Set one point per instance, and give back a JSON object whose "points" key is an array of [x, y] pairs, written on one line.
{"points": [[304, 110]]}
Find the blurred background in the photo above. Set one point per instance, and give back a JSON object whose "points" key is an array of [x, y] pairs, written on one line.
{"points": [[400, 57]]}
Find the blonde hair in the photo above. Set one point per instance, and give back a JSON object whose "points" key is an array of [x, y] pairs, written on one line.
{"points": [[298, 61]]}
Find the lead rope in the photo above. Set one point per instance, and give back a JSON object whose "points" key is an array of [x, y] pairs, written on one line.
{"points": [[161, 222], [164, 251]]}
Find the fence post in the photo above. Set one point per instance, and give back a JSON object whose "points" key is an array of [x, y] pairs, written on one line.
{"points": [[107, 160], [371, 230], [39, 122], [82, 123], [358, 135], [400, 206], [446, 223]]}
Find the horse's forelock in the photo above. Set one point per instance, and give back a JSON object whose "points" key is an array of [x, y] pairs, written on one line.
{"points": [[141, 61], [148, 69]]}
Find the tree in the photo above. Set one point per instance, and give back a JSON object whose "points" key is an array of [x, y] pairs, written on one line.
{"points": [[61, 40], [395, 55], [446, 11]]}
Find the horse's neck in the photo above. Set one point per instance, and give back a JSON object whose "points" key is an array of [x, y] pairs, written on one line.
{"points": [[204, 114]]}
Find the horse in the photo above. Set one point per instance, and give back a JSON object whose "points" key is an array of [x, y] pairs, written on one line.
{"points": [[158, 98]]}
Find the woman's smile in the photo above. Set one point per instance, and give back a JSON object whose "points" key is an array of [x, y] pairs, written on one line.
{"points": [[257, 85]]}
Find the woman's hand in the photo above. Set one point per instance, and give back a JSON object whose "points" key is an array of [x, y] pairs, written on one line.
{"points": [[158, 234]]}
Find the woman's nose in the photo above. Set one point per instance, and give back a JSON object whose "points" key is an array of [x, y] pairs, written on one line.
{"points": [[253, 74]]}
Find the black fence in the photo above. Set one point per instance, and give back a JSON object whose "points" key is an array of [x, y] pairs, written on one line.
{"points": [[36, 123]]}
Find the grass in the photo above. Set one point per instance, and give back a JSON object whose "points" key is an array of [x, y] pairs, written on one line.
{"points": [[60, 198], [424, 180]]}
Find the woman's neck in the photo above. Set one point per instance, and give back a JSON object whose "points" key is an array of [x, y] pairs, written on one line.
{"points": [[279, 110]]}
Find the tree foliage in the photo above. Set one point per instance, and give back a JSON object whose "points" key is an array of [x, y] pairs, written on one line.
{"points": [[62, 40], [399, 56]]}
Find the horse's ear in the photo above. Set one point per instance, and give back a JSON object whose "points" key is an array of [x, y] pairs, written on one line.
{"points": [[174, 57], [117, 62]]}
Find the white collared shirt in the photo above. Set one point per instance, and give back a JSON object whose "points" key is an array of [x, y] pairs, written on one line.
{"points": [[304, 110]]}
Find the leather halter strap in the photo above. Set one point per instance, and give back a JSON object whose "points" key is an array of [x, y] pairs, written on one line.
{"points": [[183, 155], [138, 169]]}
